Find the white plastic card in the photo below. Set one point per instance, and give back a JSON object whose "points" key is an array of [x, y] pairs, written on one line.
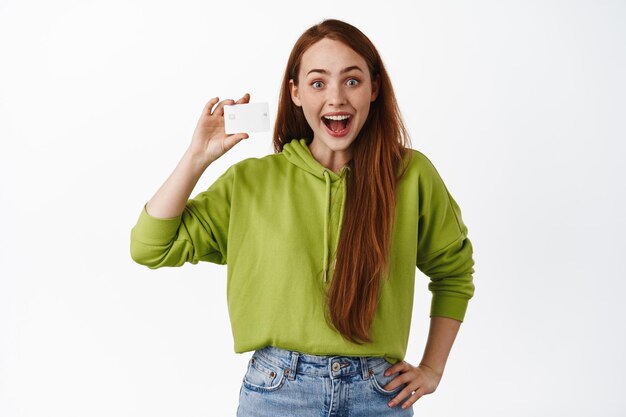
{"points": [[246, 118]]}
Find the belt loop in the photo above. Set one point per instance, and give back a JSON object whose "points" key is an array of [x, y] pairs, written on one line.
{"points": [[291, 372], [365, 371]]}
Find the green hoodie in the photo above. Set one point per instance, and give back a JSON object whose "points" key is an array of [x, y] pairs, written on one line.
{"points": [[275, 221]]}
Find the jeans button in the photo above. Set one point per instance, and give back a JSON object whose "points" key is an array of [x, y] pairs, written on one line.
{"points": [[336, 366]]}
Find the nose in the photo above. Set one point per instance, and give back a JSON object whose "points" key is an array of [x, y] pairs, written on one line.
{"points": [[336, 95]]}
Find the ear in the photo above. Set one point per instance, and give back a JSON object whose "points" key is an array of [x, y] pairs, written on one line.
{"points": [[375, 87], [295, 95]]}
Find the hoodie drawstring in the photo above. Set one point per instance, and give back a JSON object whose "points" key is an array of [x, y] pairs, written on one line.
{"points": [[326, 210], [326, 220], [298, 153]]}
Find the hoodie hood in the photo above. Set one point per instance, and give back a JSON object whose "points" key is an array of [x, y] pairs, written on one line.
{"points": [[298, 153]]}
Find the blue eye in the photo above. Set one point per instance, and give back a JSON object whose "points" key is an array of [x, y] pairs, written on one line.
{"points": [[354, 79], [316, 82]]}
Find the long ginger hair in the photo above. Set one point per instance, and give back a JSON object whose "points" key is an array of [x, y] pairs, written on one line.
{"points": [[375, 169]]}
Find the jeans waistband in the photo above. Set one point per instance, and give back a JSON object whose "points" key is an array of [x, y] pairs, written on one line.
{"points": [[294, 362]]}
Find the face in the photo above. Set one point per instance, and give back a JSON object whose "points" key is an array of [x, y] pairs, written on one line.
{"points": [[333, 81]]}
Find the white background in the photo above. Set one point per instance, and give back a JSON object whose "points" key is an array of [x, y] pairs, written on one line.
{"points": [[519, 104]]}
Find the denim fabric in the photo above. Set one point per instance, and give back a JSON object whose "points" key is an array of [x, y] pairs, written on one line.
{"points": [[284, 383]]}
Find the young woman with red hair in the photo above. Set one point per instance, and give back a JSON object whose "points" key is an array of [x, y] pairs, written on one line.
{"points": [[322, 239]]}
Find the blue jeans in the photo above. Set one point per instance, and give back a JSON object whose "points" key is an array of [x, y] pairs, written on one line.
{"points": [[284, 383]]}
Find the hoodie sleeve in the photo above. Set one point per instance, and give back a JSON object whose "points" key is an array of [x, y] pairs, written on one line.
{"points": [[200, 233], [444, 252]]}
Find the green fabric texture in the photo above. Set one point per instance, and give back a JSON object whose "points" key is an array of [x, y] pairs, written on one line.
{"points": [[275, 222]]}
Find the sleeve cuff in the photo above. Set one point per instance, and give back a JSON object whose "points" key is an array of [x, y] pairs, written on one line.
{"points": [[446, 306]]}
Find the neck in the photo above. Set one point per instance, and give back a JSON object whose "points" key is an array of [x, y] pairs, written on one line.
{"points": [[333, 160]]}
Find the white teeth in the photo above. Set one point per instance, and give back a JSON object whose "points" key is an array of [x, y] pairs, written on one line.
{"points": [[336, 117]]}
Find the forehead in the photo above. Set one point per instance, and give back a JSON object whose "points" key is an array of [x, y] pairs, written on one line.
{"points": [[330, 55]]}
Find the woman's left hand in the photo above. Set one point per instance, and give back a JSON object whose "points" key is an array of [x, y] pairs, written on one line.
{"points": [[420, 380]]}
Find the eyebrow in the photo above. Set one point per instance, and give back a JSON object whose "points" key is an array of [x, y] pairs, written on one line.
{"points": [[343, 71]]}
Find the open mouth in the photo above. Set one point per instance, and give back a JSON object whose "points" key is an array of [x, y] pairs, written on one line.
{"points": [[338, 127]]}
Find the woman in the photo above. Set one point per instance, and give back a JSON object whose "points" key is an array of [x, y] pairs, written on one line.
{"points": [[322, 239]]}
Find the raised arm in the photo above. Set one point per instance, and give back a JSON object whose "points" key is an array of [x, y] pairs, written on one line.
{"points": [[208, 143], [172, 229]]}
